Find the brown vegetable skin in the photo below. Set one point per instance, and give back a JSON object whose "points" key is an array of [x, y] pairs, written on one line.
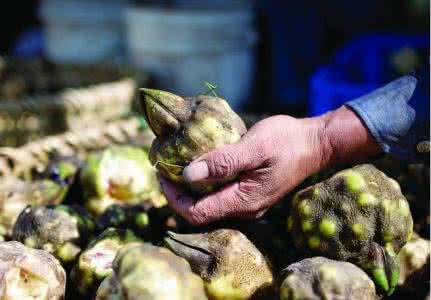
{"points": [[187, 128], [322, 278], [60, 230], [16, 194], [27, 274], [146, 272], [232, 267]]}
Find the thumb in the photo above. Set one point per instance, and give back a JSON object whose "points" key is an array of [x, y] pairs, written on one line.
{"points": [[225, 162]]}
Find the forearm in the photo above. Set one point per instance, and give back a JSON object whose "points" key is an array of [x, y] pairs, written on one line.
{"points": [[397, 116], [345, 138], [384, 120]]}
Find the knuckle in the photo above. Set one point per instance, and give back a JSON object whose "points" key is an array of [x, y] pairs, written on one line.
{"points": [[242, 197], [261, 152], [253, 203], [195, 218], [250, 204], [222, 165]]}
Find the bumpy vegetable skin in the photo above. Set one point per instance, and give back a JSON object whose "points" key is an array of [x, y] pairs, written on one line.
{"points": [[323, 278], [61, 230], [358, 215], [187, 128], [232, 267], [146, 272], [27, 273], [16, 194]]}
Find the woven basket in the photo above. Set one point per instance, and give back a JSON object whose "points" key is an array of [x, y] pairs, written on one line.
{"points": [[34, 156], [22, 161], [51, 108]]}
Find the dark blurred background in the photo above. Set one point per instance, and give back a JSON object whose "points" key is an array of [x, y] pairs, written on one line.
{"points": [[297, 57]]}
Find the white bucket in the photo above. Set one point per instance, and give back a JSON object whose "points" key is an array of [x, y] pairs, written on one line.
{"points": [[185, 48], [83, 31]]}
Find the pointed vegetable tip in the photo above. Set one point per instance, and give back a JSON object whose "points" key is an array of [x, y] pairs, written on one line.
{"points": [[192, 247], [392, 270], [163, 111], [386, 275]]}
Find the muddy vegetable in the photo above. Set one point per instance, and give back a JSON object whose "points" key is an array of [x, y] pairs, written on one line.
{"points": [[27, 273], [358, 215], [16, 194], [231, 266], [119, 175], [49, 188], [61, 230], [322, 278], [143, 271], [95, 262], [186, 128]]}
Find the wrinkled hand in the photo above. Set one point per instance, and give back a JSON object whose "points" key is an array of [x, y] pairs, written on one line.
{"points": [[271, 159]]}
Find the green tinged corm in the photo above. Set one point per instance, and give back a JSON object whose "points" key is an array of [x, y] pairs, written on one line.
{"points": [[323, 278], [357, 215], [50, 188], [119, 175], [146, 272], [187, 128], [231, 266], [63, 231], [29, 274], [133, 217], [95, 262], [63, 170], [150, 223]]}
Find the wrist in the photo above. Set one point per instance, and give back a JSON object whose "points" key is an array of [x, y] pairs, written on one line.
{"points": [[344, 138]]}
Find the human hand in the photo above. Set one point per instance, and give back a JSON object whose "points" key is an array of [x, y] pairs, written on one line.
{"points": [[272, 158]]}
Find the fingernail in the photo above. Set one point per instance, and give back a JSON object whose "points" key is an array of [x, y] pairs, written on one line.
{"points": [[196, 171]]}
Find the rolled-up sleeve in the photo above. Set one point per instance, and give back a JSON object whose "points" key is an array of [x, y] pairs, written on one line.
{"points": [[396, 117]]}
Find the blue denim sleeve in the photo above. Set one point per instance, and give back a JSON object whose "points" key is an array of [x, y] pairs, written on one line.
{"points": [[397, 116]]}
